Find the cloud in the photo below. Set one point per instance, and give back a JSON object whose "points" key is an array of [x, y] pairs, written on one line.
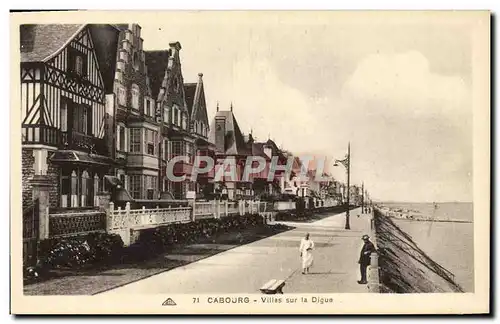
{"points": [[268, 106], [405, 83]]}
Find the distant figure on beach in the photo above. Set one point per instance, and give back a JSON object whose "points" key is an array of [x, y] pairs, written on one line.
{"points": [[364, 258], [306, 247]]}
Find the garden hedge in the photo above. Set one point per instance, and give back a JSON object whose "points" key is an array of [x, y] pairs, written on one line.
{"points": [[100, 249]]}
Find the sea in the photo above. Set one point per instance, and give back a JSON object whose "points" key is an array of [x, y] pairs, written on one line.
{"points": [[447, 243]]}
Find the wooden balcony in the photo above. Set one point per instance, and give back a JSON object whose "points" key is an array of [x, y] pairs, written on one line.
{"points": [[41, 134], [84, 142], [51, 136]]}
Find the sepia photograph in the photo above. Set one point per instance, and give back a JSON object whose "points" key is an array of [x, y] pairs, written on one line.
{"points": [[250, 162]]}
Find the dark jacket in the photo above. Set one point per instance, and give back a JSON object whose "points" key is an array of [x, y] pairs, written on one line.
{"points": [[364, 257]]}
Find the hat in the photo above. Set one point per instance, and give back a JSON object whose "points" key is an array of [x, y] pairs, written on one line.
{"points": [[365, 237]]}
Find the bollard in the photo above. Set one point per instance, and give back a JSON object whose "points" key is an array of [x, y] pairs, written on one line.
{"points": [[373, 274]]}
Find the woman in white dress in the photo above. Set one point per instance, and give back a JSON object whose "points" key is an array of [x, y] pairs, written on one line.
{"points": [[306, 247]]}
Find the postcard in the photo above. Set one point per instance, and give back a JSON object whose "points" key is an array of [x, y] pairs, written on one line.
{"points": [[250, 162]]}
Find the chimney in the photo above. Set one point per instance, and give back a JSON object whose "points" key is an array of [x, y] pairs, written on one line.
{"points": [[27, 35], [175, 47]]}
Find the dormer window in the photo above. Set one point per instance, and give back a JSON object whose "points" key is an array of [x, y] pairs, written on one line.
{"points": [[122, 95]]}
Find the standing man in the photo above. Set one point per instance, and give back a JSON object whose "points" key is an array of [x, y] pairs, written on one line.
{"points": [[364, 258]]}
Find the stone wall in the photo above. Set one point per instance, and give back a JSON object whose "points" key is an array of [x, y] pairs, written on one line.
{"points": [[53, 173], [28, 172]]}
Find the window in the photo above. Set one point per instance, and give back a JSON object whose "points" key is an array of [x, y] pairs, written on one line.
{"points": [[77, 62], [147, 110], [150, 186], [178, 190], [122, 95], [150, 142], [135, 96], [135, 186], [65, 189], [165, 150], [184, 121], [189, 150], [64, 114], [121, 138], [176, 117], [86, 196], [135, 140], [177, 148], [82, 119], [166, 115], [79, 65], [136, 61]]}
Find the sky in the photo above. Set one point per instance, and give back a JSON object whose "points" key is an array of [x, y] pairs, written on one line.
{"points": [[399, 90]]}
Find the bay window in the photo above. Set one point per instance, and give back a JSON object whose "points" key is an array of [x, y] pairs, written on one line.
{"points": [[135, 140], [177, 149], [151, 141], [135, 186]]}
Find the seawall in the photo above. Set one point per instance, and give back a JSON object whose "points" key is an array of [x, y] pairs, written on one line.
{"points": [[403, 266]]}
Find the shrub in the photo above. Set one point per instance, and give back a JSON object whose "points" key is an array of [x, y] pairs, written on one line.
{"points": [[157, 240], [79, 251]]}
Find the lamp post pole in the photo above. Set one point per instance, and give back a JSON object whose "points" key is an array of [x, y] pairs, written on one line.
{"points": [[362, 197], [347, 164], [347, 224]]}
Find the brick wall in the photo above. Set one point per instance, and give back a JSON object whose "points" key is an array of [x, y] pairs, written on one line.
{"points": [[28, 172], [53, 173]]}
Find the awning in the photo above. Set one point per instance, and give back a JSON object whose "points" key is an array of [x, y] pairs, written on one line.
{"points": [[80, 157]]}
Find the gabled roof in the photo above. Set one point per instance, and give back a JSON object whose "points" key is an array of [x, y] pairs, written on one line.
{"points": [[234, 141], [258, 150], [189, 93], [194, 94], [157, 62], [40, 41]]}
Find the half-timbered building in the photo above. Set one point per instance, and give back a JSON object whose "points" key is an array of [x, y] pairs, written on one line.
{"points": [[66, 94]]}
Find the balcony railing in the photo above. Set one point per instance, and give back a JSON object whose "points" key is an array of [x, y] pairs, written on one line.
{"points": [[41, 134], [51, 136], [78, 141]]}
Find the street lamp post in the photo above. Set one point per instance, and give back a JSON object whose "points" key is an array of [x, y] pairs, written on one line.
{"points": [[347, 164], [362, 197]]}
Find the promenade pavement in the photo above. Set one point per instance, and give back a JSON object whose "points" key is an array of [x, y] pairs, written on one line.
{"points": [[246, 268]]}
